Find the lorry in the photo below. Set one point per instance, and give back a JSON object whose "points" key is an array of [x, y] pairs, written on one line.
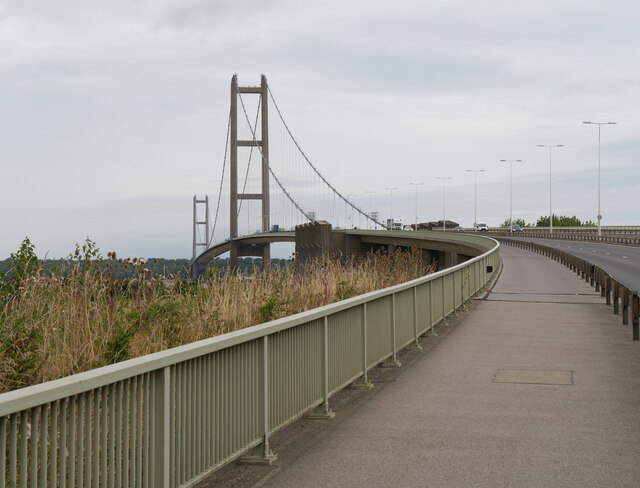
{"points": [[394, 224]]}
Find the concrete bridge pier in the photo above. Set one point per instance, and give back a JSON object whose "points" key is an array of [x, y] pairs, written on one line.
{"points": [[254, 250]]}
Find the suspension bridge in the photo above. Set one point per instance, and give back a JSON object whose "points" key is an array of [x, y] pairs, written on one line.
{"points": [[539, 386], [268, 186]]}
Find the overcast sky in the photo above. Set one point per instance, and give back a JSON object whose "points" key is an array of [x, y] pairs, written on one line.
{"points": [[113, 113]]}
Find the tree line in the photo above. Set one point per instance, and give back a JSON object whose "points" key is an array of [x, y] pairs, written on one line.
{"points": [[558, 221]]}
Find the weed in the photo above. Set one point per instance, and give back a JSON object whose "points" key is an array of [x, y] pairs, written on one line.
{"points": [[344, 290], [266, 311]]}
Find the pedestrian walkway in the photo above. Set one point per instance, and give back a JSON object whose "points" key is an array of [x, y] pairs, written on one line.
{"points": [[538, 386]]}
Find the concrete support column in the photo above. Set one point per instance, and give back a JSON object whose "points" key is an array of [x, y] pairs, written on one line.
{"points": [[266, 223], [233, 174]]}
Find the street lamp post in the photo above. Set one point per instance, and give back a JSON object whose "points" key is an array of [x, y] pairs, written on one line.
{"points": [[391, 203], [416, 185], [475, 195], [599, 124], [550, 146], [444, 218], [510, 161]]}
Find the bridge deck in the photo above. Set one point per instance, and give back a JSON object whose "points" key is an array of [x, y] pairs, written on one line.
{"points": [[490, 405]]}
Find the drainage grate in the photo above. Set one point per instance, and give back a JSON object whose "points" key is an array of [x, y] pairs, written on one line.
{"points": [[534, 377]]}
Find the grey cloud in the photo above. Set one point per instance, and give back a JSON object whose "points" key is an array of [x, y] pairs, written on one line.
{"points": [[206, 14]]}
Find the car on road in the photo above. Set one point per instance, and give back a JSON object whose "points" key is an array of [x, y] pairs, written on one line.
{"points": [[516, 228], [459, 229]]}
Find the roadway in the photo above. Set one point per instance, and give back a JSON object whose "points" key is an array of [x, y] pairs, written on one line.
{"points": [[621, 262]]}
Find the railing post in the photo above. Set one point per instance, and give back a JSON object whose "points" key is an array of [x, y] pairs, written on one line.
{"points": [[392, 362], [616, 296], [463, 300], [262, 453], [453, 276], [431, 306], [444, 302], [607, 288], [323, 411], [162, 429], [625, 305], [3, 456], [416, 343], [635, 315], [475, 277], [363, 382]]}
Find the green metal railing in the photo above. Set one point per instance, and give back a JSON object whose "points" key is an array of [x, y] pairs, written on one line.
{"points": [[171, 418]]}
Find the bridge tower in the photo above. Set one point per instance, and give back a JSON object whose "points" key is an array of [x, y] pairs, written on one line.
{"points": [[263, 250], [200, 223]]}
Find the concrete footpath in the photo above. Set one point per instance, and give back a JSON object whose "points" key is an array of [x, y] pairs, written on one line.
{"points": [[539, 386]]}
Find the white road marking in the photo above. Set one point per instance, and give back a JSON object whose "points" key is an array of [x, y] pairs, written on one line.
{"points": [[608, 253], [625, 257]]}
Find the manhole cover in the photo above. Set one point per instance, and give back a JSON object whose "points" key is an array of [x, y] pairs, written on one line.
{"points": [[534, 376]]}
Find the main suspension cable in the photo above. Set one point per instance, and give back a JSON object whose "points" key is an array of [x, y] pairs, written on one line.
{"points": [[313, 166], [224, 164]]}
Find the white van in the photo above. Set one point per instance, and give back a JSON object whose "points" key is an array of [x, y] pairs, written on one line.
{"points": [[482, 226]]}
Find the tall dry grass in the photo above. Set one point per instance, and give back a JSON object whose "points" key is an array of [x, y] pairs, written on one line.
{"points": [[78, 318]]}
